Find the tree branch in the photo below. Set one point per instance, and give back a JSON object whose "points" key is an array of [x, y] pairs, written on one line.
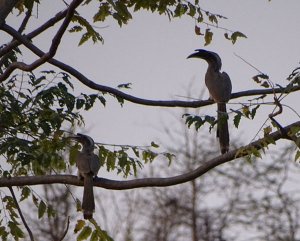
{"points": [[59, 16], [162, 103], [52, 50], [25, 21], [149, 182]]}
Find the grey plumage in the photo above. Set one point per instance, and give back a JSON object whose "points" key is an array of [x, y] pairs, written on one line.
{"points": [[88, 166], [219, 87]]}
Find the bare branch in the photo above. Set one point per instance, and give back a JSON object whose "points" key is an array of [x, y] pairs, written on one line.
{"points": [[66, 230], [162, 103], [20, 213], [148, 182], [59, 16], [52, 50], [25, 21]]}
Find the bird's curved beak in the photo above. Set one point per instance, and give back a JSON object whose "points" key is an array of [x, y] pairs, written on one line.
{"points": [[200, 53], [194, 55]]}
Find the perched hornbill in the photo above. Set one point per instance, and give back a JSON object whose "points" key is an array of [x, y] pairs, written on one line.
{"points": [[219, 87], [88, 166]]}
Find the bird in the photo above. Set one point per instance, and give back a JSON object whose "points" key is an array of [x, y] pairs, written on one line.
{"points": [[88, 165], [219, 87]]}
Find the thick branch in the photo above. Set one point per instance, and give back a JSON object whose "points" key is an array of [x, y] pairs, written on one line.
{"points": [[162, 103], [148, 182]]}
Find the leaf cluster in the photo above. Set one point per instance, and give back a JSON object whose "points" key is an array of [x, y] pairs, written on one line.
{"points": [[34, 111], [199, 121], [94, 233], [124, 159], [122, 12]]}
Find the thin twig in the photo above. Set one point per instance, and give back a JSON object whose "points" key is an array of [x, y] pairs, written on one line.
{"points": [[66, 230], [20, 213], [25, 21]]}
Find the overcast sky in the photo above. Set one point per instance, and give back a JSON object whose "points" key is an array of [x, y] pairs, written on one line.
{"points": [[150, 52]]}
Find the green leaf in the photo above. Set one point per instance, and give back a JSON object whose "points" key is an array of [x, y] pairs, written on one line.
{"points": [[50, 212], [25, 193], [255, 152], [135, 151], [111, 161], [170, 157], [103, 12], [90, 31], [95, 236], [153, 144], [212, 18], [253, 111], [15, 230], [75, 29], [237, 119], [192, 9], [267, 130], [208, 37], [3, 233], [180, 9], [79, 225], [246, 111], [265, 84], [41, 209], [85, 233], [35, 200], [226, 35], [80, 103], [236, 35]]}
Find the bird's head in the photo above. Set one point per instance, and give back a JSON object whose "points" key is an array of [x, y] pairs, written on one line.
{"points": [[211, 58], [86, 141]]}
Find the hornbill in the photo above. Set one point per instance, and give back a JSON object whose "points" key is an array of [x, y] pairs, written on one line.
{"points": [[88, 165], [219, 87]]}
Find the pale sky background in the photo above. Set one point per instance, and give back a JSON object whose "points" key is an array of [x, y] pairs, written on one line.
{"points": [[150, 52]]}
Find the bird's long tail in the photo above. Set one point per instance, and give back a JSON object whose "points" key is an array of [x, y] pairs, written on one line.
{"points": [[88, 202], [222, 128]]}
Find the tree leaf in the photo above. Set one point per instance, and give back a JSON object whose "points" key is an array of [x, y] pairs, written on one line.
{"points": [[237, 119], [153, 144], [236, 35], [15, 230], [25, 193], [208, 37], [198, 30], [41, 209], [85, 233], [79, 225]]}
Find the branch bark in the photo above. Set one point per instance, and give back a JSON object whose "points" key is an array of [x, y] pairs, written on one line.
{"points": [[149, 182], [91, 84], [52, 50]]}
